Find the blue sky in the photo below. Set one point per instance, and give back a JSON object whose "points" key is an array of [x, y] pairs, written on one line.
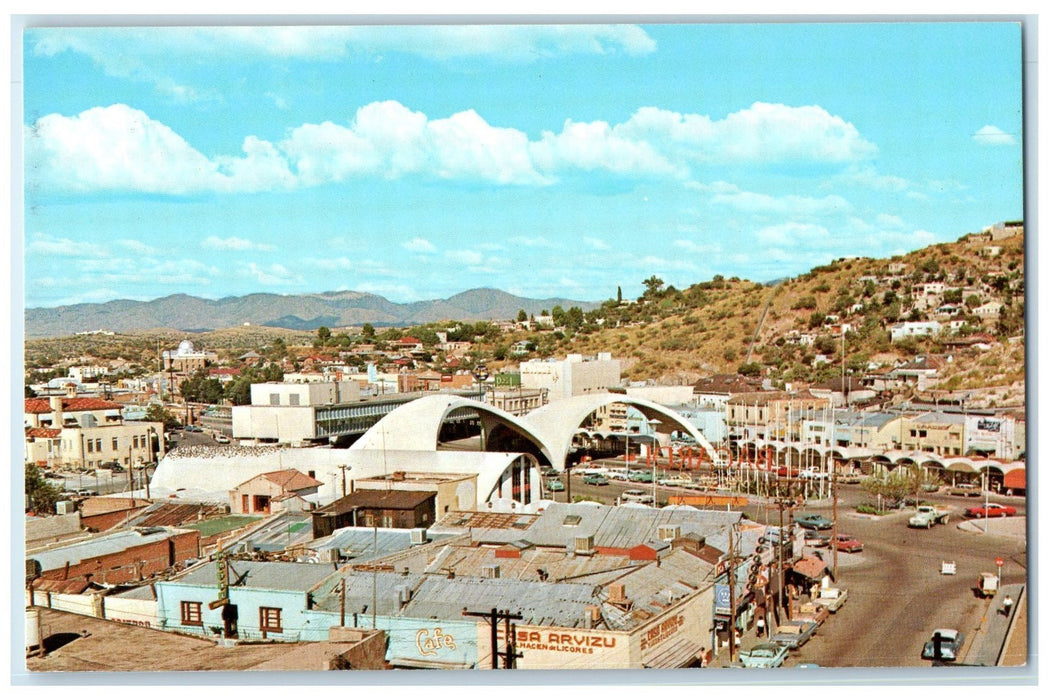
{"points": [[416, 162]]}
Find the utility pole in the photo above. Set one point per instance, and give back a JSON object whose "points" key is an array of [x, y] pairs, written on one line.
{"points": [[732, 594], [493, 619], [834, 513], [342, 603]]}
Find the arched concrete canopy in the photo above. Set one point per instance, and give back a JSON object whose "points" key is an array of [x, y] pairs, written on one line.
{"points": [[557, 422], [417, 425]]}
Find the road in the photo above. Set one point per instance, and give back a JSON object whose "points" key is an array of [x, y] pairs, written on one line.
{"points": [[118, 482], [897, 593]]}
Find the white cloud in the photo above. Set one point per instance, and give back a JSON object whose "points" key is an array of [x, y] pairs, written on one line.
{"points": [[993, 136], [596, 243], [119, 148], [136, 246], [762, 133], [695, 248], [273, 274], [786, 205], [464, 257], [113, 148], [233, 243], [419, 245], [389, 140], [331, 264], [525, 42], [794, 235], [44, 244], [596, 146]]}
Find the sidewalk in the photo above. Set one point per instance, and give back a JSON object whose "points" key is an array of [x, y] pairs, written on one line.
{"points": [[987, 644]]}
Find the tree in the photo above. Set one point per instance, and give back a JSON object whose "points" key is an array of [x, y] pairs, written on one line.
{"points": [[41, 495], [324, 335], [619, 295], [368, 331], [157, 413], [522, 316], [653, 285]]}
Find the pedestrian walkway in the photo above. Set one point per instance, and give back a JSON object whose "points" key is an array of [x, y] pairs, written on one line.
{"points": [[987, 644]]}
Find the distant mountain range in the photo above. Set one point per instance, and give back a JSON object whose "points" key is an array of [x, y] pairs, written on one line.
{"points": [[295, 312]]}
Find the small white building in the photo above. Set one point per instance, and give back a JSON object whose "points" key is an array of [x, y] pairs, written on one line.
{"points": [[286, 411], [573, 376], [911, 329]]}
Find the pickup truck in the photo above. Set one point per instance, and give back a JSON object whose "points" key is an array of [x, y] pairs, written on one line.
{"points": [[927, 516]]}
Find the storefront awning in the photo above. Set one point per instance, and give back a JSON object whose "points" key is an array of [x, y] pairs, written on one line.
{"points": [[810, 567], [1016, 479]]}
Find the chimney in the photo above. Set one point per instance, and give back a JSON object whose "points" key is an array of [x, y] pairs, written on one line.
{"points": [[616, 592], [593, 615], [56, 411]]}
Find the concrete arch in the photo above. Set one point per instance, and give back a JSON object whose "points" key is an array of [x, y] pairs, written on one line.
{"points": [[557, 422], [417, 425]]}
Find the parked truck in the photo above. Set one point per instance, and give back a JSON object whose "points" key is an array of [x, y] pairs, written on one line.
{"points": [[927, 516]]}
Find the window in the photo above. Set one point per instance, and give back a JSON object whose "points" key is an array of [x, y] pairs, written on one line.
{"points": [[90, 445], [269, 620], [191, 613], [274, 399], [294, 399], [116, 444], [98, 445]]}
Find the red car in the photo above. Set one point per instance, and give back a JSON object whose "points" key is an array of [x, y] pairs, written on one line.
{"points": [[848, 543], [991, 510]]}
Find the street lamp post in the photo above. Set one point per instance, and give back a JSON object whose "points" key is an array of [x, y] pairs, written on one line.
{"points": [[653, 422]]}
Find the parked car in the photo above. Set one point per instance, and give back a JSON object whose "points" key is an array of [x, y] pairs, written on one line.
{"points": [[549, 471], [991, 510], [944, 645], [222, 439], [814, 611], [84, 493], [970, 490], [848, 543], [763, 655], [636, 496], [833, 598], [194, 429], [815, 539], [850, 479], [640, 475], [555, 485], [595, 479], [813, 474], [679, 481], [814, 521], [794, 634]]}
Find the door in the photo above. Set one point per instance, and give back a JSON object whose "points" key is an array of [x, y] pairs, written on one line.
{"points": [[229, 620]]}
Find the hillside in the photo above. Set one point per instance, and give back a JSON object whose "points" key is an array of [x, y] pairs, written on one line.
{"points": [[293, 312], [675, 335], [789, 332]]}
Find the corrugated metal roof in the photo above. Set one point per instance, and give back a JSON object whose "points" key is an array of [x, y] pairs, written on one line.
{"points": [[99, 547], [271, 575], [558, 604]]}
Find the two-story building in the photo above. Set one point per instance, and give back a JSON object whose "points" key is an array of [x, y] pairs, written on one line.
{"points": [[86, 432]]}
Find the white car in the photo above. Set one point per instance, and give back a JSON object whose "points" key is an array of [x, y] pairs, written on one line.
{"points": [[222, 439], [636, 496], [832, 598]]}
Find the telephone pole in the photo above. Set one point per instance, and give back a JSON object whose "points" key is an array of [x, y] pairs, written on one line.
{"points": [[493, 618]]}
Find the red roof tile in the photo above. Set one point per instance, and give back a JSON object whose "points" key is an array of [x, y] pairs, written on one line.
{"points": [[43, 432], [291, 479], [71, 404]]}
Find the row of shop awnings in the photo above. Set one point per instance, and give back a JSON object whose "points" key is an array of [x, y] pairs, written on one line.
{"points": [[890, 457]]}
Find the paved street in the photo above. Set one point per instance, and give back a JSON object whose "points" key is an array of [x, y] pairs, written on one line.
{"points": [[897, 593]]}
